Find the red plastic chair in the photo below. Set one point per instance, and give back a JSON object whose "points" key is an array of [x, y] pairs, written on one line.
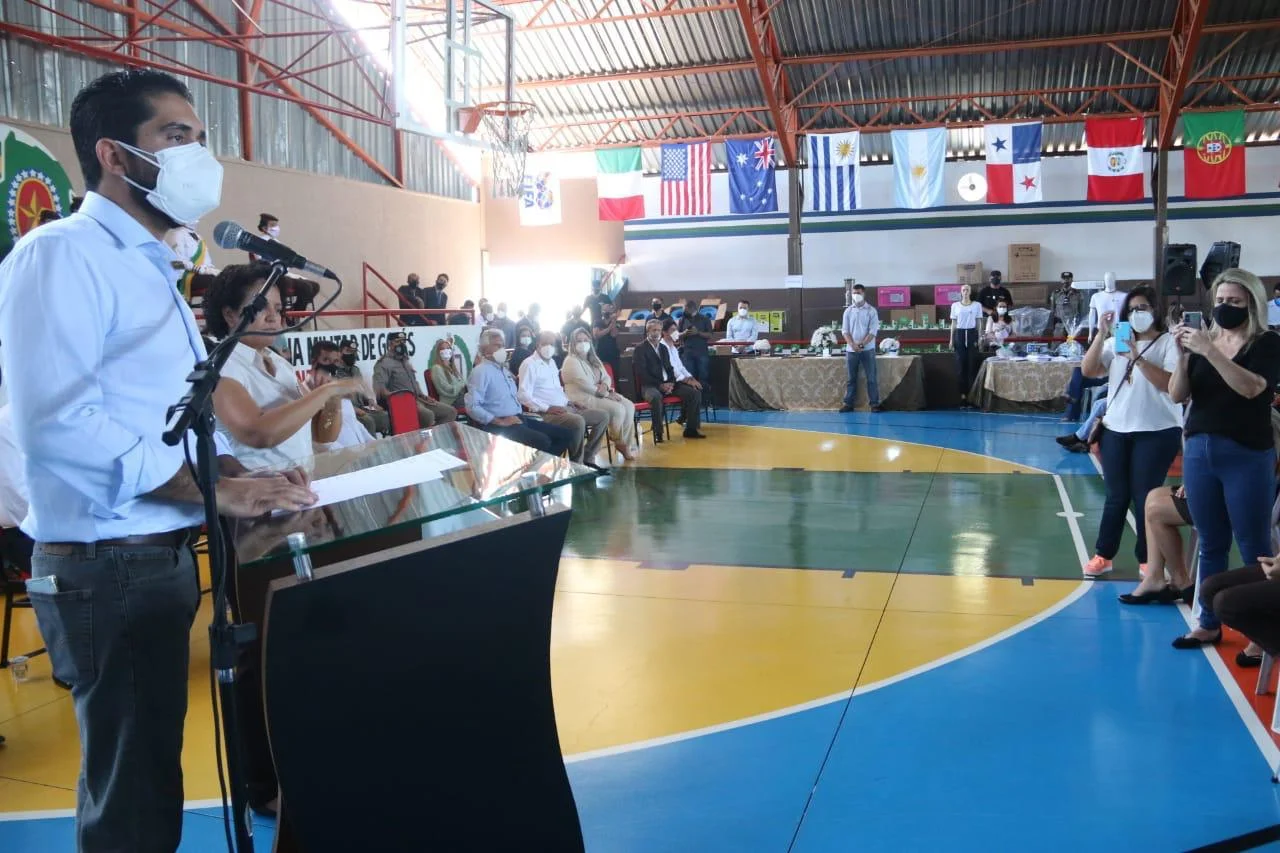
{"points": [[402, 407], [669, 404]]}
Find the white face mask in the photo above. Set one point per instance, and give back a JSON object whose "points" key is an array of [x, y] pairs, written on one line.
{"points": [[583, 347], [1141, 321], [524, 342], [546, 351], [274, 232], [446, 354], [742, 312], [502, 314], [189, 184], [500, 356], [1002, 311], [487, 315], [858, 299]]}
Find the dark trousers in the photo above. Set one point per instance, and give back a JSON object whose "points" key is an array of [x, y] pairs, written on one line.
{"points": [[541, 435], [1247, 600], [690, 403], [1133, 463], [118, 631], [1075, 392], [1230, 490], [699, 365], [864, 361], [967, 351]]}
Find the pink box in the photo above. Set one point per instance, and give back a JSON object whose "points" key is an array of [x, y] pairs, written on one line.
{"points": [[945, 294], [893, 297]]}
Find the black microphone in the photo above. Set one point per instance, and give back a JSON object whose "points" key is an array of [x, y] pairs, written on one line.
{"points": [[229, 235]]}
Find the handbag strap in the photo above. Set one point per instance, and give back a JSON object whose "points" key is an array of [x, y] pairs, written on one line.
{"points": [[1128, 372]]}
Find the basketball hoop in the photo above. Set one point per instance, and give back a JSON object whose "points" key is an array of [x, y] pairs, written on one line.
{"points": [[505, 126]]}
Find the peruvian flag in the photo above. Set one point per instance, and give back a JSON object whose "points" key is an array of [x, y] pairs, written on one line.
{"points": [[1013, 163], [1115, 158]]}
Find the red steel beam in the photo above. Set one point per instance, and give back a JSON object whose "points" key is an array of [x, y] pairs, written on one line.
{"points": [[759, 32], [247, 69], [1188, 24]]}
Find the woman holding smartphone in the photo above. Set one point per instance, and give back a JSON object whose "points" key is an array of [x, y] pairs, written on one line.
{"points": [[1141, 428], [1229, 374]]}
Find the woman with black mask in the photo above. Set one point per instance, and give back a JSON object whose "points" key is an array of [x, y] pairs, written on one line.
{"points": [[1229, 374]]}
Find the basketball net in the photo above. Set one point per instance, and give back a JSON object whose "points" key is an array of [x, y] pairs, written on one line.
{"points": [[505, 126]]}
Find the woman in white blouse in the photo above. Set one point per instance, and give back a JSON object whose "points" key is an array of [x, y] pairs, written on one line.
{"points": [[999, 325], [267, 417], [965, 315], [587, 383]]}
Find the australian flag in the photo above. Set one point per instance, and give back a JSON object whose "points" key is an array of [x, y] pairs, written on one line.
{"points": [[752, 165]]}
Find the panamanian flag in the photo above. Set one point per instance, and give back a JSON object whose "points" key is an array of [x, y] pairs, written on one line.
{"points": [[1013, 163]]}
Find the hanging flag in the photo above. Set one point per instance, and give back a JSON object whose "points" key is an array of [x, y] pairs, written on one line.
{"points": [[918, 156], [540, 201], [686, 179], [752, 184], [1213, 154], [1115, 158], [620, 184], [1013, 162], [835, 176]]}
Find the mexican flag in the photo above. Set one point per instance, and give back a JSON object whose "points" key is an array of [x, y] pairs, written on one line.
{"points": [[1213, 154], [619, 184]]}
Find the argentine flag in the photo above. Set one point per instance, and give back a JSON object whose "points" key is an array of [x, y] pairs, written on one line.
{"points": [[835, 176]]}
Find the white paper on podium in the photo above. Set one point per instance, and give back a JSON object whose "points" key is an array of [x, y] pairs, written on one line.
{"points": [[422, 468]]}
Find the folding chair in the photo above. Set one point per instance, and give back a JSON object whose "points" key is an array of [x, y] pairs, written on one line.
{"points": [[431, 392], [402, 407], [669, 404], [15, 570]]}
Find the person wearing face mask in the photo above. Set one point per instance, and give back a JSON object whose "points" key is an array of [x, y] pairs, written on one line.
{"points": [[656, 377], [394, 372], [596, 301], [590, 385], [1105, 301], [605, 335], [572, 322], [742, 328], [326, 362], [540, 392], [505, 323], [1141, 425], [530, 321], [1273, 309], [695, 333], [268, 229], [657, 312], [373, 417], [523, 348], [860, 326], [1229, 375], [991, 295], [492, 404], [447, 378], [965, 315], [999, 326], [437, 300], [1064, 305], [413, 296]]}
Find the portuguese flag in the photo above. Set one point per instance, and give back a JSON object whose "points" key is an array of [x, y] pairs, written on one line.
{"points": [[1213, 154], [619, 183]]}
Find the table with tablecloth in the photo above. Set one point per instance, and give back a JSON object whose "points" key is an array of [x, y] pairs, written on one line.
{"points": [[815, 383], [1020, 385]]}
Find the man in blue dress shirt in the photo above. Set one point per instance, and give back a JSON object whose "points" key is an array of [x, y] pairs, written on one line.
{"points": [[113, 510], [492, 403]]}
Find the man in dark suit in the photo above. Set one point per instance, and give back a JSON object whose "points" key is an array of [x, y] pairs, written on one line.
{"points": [[658, 379]]}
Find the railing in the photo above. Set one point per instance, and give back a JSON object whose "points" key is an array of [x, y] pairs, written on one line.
{"points": [[391, 314], [365, 272]]}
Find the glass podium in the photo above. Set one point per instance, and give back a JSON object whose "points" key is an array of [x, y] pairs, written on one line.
{"points": [[405, 676]]}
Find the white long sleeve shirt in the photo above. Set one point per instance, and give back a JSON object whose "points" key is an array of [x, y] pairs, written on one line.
{"points": [[676, 364], [742, 329], [540, 387]]}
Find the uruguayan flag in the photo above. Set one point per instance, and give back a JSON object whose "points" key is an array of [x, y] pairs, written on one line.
{"points": [[835, 176]]}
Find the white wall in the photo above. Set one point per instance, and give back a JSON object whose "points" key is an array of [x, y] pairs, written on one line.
{"points": [[874, 246]]}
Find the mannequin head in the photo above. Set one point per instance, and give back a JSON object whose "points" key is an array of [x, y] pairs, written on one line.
{"points": [[1109, 282]]}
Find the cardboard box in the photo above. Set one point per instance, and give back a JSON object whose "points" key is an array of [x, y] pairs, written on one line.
{"points": [[901, 317], [1024, 262], [894, 296], [971, 273], [945, 294]]}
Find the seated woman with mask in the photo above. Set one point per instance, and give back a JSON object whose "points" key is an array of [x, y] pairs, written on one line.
{"points": [[446, 377], [267, 418]]}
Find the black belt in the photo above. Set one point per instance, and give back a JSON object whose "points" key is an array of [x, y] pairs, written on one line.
{"points": [[171, 539]]}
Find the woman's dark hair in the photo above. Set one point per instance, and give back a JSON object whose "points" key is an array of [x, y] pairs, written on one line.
{"points": [[265, 219], [113, 107], [229, 290], [668, 324], [1007, 319], [1149, 292]]}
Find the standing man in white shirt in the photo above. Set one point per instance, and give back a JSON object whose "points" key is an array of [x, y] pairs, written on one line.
{"points": [[860, 326], [1273, 309], [540, 392], [743, 328], [113, 509]]}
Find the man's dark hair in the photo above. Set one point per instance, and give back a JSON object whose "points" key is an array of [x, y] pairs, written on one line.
{"points": [[859, 288], [349, 342], [47, 216], [668, 325], [265, 219], [321, 347], [229, 290], [76, 201], [744, 302], [113, 107]]}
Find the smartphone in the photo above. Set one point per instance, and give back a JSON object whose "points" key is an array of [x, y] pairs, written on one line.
{"points": [[47, 584], [1123, 334], [1193, 320]]}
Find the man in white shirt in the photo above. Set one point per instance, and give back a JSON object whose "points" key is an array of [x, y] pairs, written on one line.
{"points": [[112, 508], [540, 392], [13, 480], [670, 340], [1273, 309], [743, 328]]}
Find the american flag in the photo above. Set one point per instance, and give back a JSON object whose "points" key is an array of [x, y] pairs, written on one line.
{"points": [[686, 179]]}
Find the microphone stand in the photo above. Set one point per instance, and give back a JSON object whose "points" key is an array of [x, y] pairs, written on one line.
{"points": [[226, 638]]}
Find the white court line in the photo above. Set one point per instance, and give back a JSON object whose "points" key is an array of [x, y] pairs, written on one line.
{"points": [[844, 695], [1252, 722], [50, 814]]}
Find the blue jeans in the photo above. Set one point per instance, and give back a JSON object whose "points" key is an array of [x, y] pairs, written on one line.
{"points": [[698, 364], [1230, 489], [861, 361], [1075, 392], [1133, 463], [1098, 410]]}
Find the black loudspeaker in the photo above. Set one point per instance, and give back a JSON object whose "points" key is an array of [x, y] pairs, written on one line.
{"points": [[1223, 255], [1180, 269]]}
